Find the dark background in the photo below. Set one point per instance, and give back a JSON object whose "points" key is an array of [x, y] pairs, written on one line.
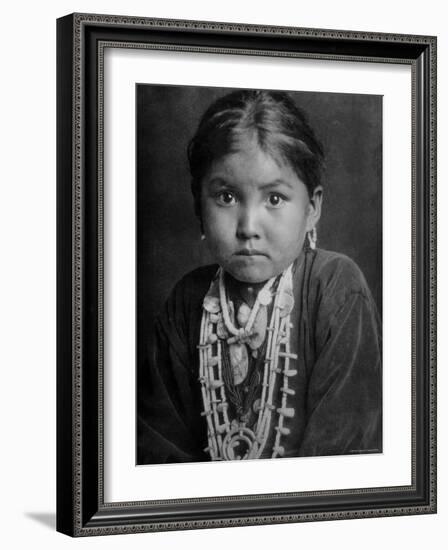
{"points": [[168, 236]]}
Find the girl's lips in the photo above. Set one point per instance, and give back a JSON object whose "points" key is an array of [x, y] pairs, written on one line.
{"points": [[250, 252]]}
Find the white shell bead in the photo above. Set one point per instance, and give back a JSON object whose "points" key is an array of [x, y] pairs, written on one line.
{"points": [[286, 411], [243, 315], [264, 297], [211, 304], [286, 304], [279, 450]]}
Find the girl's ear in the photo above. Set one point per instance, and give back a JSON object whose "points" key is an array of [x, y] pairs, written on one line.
{"points": [[314, 208]]}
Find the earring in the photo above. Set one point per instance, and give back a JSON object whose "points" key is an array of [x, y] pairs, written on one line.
{"points": [[312, 238], [202, 237]]}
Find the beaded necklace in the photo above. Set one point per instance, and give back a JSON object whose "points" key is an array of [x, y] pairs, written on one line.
{"points": [[222, 350]]}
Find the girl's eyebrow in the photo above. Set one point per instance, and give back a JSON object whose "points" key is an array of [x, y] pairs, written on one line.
{"points": [[277, 183], [220, 181]]}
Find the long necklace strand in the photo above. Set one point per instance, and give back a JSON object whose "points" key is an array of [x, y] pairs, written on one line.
{"points": [[224, 435]]}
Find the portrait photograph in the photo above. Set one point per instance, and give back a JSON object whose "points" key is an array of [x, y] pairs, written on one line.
{"points": [[258, 274], [246, 260], [247, 267]]}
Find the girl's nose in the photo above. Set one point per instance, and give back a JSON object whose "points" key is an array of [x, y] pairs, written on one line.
{"points": [[247, 224]]}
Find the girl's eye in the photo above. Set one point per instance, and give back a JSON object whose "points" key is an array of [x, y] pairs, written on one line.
{"points": [[275, 199], [226, 198]]}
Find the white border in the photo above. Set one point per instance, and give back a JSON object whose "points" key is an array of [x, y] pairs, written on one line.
{"points": [[122, 480]]}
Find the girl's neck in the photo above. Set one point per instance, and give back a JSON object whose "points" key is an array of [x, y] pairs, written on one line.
{"points": [[247, 292]]}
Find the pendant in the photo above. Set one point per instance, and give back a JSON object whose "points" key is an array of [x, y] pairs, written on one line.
{"points": [[239, 362], [285, 303], [239, 444], [258, 332]]}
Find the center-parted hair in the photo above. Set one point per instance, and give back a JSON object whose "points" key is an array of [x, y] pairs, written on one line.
{"points": [[279, 127]]}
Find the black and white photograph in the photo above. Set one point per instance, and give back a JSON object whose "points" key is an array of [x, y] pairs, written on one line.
{"points": [[259, 274], [246, 276]]}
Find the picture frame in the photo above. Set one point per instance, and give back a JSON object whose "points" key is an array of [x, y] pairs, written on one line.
{"points": [[82, 509]]}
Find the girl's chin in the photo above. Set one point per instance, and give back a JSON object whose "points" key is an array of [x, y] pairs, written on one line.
{"points": [[250, 276]]}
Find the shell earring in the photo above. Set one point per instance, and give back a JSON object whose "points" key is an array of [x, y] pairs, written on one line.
{"points": [[312, 238]]}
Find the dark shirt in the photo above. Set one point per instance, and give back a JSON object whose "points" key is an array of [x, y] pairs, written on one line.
{"points": [[336, 335]]}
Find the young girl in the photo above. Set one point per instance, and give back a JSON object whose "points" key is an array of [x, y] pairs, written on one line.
{"points": [[276, 350]]}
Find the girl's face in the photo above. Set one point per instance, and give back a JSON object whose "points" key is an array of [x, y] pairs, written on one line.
{"points": [[256, 213]]}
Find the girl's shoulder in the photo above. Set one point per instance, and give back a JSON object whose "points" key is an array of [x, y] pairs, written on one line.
{"points": [[199, 276], [193, 286], [333, 271], [183, 306], [337, 295]]}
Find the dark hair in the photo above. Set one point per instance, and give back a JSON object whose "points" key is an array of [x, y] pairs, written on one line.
{"points": [[272, 118]]}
